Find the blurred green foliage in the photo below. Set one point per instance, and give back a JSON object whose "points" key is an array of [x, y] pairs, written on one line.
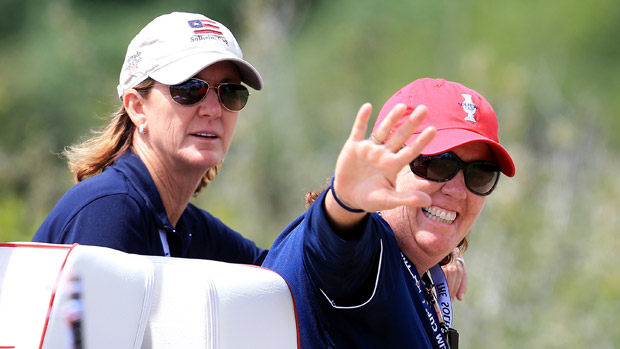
{"points": [[542, 262]]}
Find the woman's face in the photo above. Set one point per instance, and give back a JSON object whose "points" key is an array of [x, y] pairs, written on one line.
{"points": [[194, 137], [420, 234]]}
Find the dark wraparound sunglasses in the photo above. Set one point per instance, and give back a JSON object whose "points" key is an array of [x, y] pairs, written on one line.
{"points": [[232, 97], [480, 176]]}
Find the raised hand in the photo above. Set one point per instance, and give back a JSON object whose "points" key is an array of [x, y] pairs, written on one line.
{"points": [[366, 169]]}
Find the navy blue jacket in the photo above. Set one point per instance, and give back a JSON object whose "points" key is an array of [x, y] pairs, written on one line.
{"points": [[121, 209], [352, 294]]}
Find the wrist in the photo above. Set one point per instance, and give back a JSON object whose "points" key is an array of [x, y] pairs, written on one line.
{"points": [[339, 202]]}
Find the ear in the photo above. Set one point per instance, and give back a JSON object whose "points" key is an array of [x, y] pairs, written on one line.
{"points": [[134, 105]]}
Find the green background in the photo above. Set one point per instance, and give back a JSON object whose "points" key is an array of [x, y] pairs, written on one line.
{"points": [[543, 260]]}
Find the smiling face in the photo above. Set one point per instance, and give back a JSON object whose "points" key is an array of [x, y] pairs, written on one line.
{"points": [[196, 137], [427, 235]]}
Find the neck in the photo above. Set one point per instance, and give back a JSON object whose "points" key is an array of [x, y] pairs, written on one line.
{"points": [[175, 186], [175, 194], [421, 265]]}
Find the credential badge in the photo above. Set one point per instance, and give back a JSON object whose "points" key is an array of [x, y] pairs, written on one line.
{"points": [[469, 107]]}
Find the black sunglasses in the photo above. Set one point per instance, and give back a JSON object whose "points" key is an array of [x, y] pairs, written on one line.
{"points": [[480, 176], [232, 97]]}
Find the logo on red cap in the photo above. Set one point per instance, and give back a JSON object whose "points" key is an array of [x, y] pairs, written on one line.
{"points": [[469, 107]]}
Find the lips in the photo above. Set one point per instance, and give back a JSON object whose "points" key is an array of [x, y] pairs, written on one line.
{"points": [[439, 215], [204, 135]]}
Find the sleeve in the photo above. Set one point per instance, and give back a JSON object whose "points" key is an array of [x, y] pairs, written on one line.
{"points": [[345, 270], [115, 221]]}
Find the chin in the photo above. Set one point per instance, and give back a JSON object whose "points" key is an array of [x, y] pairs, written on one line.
{"points": [[436, 244], [204, 159]]}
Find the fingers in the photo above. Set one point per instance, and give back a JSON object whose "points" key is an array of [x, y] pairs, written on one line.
{"points": [[452, 277], [358, 132], [460, 294], [459, 264], [366, 169], [392, 127], [407, 127], [456, 275], [399, 131], [386, 126]]}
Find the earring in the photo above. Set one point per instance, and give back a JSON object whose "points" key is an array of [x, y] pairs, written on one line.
{"points": [[141, 128]]}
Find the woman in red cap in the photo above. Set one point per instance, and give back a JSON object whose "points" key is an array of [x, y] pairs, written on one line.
{"points": [[364, 261]]}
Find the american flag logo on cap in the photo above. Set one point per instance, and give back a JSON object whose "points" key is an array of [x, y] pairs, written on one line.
{"points": [[205, 26]]}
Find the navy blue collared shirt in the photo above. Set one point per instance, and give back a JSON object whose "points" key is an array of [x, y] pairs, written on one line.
{"points": [[122, 209], [352, 294]]}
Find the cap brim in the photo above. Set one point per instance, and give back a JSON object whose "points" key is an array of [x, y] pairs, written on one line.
{"points": [[449, 139], [187, 67]]}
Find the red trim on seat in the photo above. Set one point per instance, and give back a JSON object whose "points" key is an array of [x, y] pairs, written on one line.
{"points": [[294, 308], [25, 244], [49, 308], [46, 246], [292, 297]]}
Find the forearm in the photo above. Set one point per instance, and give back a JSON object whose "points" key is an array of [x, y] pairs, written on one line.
{"points": [[339, 261]]}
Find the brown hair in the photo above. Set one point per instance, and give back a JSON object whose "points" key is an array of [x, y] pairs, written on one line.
{"points": [[311, 197], [115, 138]]}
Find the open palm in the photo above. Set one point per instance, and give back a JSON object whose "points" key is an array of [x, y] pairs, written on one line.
{"points": [[366, 169]]}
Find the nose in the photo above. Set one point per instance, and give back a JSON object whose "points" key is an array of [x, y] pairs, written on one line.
{"points": [[456, 187], [210, 105]]}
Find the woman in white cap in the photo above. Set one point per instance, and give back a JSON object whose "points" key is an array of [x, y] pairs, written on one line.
{"points": [[363, 262], [181, 93]]}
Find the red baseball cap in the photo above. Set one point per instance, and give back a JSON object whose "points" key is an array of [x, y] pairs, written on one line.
{"points": [[460, 115]]}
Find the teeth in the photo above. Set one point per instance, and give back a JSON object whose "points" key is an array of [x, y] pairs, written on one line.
{"points": [[439, 215], [205, 134]]}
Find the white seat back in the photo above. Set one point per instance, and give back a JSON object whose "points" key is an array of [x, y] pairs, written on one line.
{"points": [[133, 301], [209, 304], [38, 281]]}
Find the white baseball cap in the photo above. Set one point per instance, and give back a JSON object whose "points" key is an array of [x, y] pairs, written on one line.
{"points": [[175, 47]]}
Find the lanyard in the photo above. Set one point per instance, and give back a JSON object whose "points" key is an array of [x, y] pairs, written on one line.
{"points": [[439, 330], [166, 247], [164, 242], [441, 294]]}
